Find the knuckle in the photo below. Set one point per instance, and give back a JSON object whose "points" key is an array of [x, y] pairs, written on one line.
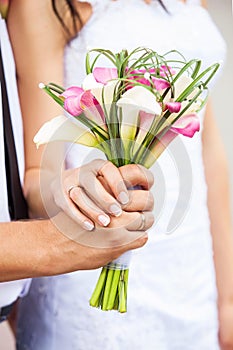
{"points": [[151, 200], [104, 165], [75, 194]]}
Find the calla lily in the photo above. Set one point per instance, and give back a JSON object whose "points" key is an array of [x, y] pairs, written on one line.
{"points": [[77, 101], [145, 122], [187, 125], [92, 108], [179, 86], [103, 93], [159, 83], [165, 71], [104, 75], [90, 83], [173, 107], [72, 100], [132, 102], [64, 129], [142, 99]]}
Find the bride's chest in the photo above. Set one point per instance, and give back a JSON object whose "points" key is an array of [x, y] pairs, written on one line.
{"points": [[188, 29]]}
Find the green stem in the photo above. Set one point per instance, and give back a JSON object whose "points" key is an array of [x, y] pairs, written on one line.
{"points": [[113, 293], [98, 288], [122, 293], [107, 289]]}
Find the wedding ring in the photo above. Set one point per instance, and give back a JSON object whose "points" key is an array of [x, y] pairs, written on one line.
{"points": [[143, 222], [70, 189]]}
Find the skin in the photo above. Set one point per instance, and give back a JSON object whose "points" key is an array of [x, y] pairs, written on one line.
{"points": [[221, 225], [213, 156]]}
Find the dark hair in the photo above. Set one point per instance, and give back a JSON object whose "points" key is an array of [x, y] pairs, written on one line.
{"points": [[72, 10], [75, 16]]}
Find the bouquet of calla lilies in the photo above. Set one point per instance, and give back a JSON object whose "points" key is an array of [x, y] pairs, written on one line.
{"points": [[130, 109]]}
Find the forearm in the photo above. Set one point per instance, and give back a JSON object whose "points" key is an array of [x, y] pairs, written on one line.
{"points": [[38, 193], [38, 50], [38, 248], [219, 210], [218, 204], [24, 249]]}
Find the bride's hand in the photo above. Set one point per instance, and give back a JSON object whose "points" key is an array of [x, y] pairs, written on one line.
{"points": [[97, 191]]}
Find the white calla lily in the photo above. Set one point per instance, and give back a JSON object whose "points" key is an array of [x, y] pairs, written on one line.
{"points": [[181, 84], [64, 129], [132, 102], [104, 93], [90, 83]]}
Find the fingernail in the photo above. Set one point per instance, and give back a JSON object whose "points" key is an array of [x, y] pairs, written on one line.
{"points": [[123, 197], [88, 225], [104, 220], [115, 210]]}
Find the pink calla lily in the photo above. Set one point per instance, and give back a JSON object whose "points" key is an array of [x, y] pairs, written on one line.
{"points": [[72, 91], [187, 125], [159, 83], [72, 97], [166, 71], [92, 108], [173, 107], [104, 75], [78, 101]]}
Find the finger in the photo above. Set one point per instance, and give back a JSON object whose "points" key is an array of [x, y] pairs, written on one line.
{"points": [[70, 209], [139, 200], [135, 174], [100, 237], [88, 207], [115, 182], [140, 221], [132, 221], [98, 194]]}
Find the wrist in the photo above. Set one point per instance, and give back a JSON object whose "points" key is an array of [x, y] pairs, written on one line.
{"points": [[48, 255]]}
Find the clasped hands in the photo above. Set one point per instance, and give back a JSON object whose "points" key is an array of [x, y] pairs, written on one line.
{"points": [[100, 209]]}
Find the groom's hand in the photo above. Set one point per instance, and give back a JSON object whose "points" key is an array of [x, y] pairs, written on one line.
{"points": [[71, 248]]}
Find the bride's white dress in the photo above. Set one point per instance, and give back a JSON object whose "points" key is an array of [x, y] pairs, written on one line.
{"points": [[172, 289]]}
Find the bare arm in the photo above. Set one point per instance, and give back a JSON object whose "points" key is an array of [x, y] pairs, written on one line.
{"points": [[38, 41], [38, 248], [217, 178]]}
